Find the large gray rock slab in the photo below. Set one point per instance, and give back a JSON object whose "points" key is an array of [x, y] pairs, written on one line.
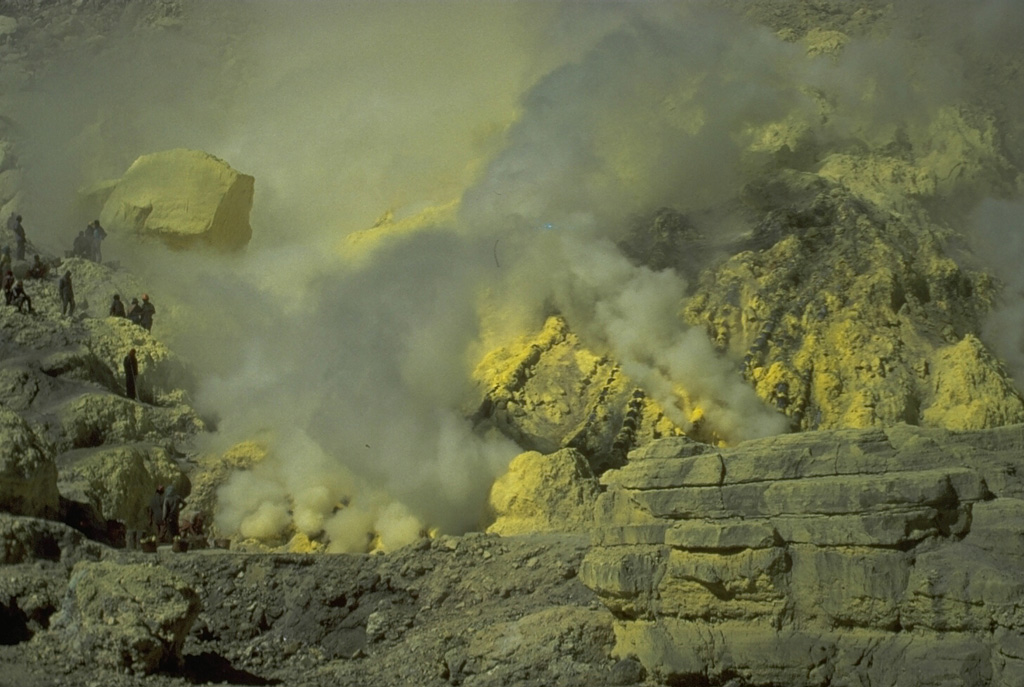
{"points": [[127, 617]]}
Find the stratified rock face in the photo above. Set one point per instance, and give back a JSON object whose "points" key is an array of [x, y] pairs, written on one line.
{"points": [[544, 493], [133, 617], [28, 478], [549, 392], [184, 198], [879, 557]]}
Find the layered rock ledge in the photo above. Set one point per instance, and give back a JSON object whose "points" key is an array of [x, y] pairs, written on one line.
{"points": [[855, 557]]}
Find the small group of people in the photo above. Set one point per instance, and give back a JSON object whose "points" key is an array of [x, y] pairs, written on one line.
{"points": [[140, 314], [87, 245], [164, 513], [89, 242]]}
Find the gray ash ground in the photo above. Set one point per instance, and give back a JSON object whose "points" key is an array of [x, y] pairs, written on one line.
{"points": [[473, 610]]}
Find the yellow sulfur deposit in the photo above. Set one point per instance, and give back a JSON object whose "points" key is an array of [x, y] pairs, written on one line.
{"points": [[548, 392], [359, 245]]}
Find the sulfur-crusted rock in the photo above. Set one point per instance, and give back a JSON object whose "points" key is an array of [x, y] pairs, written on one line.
{"points": [[185, 198], [119, 481], [26, 540], [971, 390], [95, 419], [133, 617], [163, 376], [28, 477], [844, 316], [547, 391], [29, 595], [544, 493]]}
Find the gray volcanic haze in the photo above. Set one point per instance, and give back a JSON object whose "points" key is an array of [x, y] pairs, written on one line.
{"points": [[550, 123]]}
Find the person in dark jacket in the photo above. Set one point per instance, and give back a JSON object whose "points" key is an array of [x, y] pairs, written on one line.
{"points": [[146, 317], [117, 307], [67, 295], [14, 224], [8, 286], [135, 312], [131, 373], [156, 513], [96, 234], [172, 510], [81, 248]]}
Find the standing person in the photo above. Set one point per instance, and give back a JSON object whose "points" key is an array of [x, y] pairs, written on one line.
{"points": [[146, 317], [5, 259], [81, 247], [8, 285], [156, 512], [131, 373], [19, 236], [96, 236], [172, 510], [67, 295], [135, 312], [117, 307]]}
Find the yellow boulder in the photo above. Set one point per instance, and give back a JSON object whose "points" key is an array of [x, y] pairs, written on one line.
{"points": [[544, 493], [184, 198]]}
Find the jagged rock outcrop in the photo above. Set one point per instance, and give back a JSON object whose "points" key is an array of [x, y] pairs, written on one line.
{"points": [[887, 557], [544, 493], [27, 540], [133, 617], [37, 555], [28, 477], [548, 392], [848, 317], [184, 198], [98, 419]]}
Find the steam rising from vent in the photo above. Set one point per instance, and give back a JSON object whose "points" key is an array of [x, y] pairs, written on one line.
{"points": [[569, 115], [998, 235], [633, 313]]}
